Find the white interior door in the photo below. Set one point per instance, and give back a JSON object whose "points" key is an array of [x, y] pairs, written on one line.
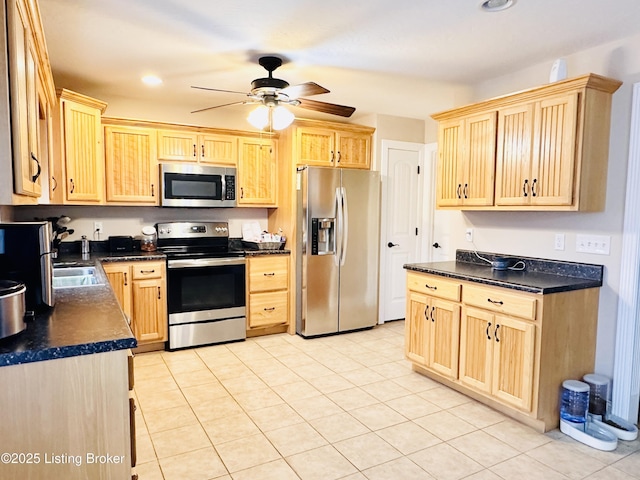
{"points": [[402, 226]]}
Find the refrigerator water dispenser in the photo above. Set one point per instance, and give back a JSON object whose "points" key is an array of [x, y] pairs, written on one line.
{"points": [[323, 238]]}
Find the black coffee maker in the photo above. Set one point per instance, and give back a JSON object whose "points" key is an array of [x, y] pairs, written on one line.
{"points": [[25, 257]]}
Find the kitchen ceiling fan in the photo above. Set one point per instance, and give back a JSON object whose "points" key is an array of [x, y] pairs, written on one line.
{"points": [[272, 93]]}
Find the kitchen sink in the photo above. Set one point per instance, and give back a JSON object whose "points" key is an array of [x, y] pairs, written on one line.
{"points": [[69, 277]]}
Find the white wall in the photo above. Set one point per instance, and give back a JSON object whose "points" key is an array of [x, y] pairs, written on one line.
{"points": [[130, 220], [532, 233]]}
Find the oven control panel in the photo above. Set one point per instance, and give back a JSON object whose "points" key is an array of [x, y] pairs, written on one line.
{"points": [[187, 230]]}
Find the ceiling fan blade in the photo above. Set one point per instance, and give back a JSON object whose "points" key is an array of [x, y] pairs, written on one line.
{"points": [[219, 90], [325, 107], [303, 89], [219, 106]]}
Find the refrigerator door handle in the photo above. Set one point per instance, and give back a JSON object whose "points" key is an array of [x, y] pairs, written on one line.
{"points": [[345, 226], [339, 227]]}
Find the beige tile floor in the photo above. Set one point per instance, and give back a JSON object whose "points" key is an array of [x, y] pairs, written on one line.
{"points": [[343, 407]]}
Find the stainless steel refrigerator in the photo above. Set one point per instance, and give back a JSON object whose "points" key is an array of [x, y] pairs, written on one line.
{"points": [[338, 250]]}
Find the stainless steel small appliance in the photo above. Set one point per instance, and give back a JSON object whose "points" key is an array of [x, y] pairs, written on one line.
{"points": [[205, 284], [12, 308], [25, 257], [197, 186]]}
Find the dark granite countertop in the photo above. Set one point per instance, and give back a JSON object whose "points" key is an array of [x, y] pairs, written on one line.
{"points": [[84, 321], [539, 276]]}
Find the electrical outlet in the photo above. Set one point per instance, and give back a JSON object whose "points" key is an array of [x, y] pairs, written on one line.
{"points": [[97, 227], [598, 244], [559, 241], [468, 235]]}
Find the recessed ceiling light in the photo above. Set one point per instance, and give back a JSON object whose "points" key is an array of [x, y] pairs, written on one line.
{"points": [[151, 80], [496, 5]]}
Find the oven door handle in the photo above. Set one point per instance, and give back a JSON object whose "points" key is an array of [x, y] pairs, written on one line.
{"points": [[205, 262]]}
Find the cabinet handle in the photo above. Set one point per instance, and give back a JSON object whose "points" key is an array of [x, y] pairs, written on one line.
{"points": [[495, 302], [203, 150], [533, 188], [525, 187], [488, 336], [195, 150], [458, 190], [270, 309], [35, 177], [495, 333], [332, 157], [268, 274], [145, 272], [153, 191], [241, 192], [465, 190], [73, 185], [339, 156], [425, 313], [125, 279], [159, 297], [430, 287], [433, 309], [55, 184]]}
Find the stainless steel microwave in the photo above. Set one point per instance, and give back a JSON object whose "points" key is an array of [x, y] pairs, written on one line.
{"points": [[197, 186]]}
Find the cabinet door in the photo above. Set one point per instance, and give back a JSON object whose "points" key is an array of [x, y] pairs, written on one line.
{"points": [[132, 167], [415, 323], [476, 348], [514, 153], [149, 311], [479, 159], [513, 359], [177, 145], [257, 172], [554, 151], [119, 276], [315, 146], [354, 150], [24, 109], [218, 149], [444, 336], [83, 153], [450, 154]]}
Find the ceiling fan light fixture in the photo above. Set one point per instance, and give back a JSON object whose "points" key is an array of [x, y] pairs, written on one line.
{"points": [[496, 5], [151, 80], [282, 118], [259, 118]]}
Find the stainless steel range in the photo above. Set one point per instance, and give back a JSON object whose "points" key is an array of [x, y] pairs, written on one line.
{"points": [[205, 284]]}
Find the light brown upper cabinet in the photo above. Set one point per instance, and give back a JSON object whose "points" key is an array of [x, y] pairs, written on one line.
{"points": [[181, 145], [131, 165], [257, 172], [467, 160], [332, 144], [78, 173], [31, 95], [545, 149]]}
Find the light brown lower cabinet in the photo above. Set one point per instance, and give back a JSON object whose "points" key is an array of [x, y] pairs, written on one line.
{"points": [[66, 418], [508, 349], [268, 294], [140, 288]]}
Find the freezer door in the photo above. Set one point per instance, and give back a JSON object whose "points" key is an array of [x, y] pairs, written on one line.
{"points": [[319, 275], [360, 250]]}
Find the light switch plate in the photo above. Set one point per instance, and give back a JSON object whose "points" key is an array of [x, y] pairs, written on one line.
{"points": [[598, 244], [559, 241]]}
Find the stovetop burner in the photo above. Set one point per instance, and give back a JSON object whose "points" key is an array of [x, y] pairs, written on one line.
{"points": [[195, 240]]}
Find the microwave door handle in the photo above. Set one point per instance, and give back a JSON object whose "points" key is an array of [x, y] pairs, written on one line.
{"points": [[223, 181]]}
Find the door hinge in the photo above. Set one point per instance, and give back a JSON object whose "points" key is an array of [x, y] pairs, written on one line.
{"points": [[416, 231]]}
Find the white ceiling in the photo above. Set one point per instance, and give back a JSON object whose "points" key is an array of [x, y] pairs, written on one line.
{"points": [[372, 54]]}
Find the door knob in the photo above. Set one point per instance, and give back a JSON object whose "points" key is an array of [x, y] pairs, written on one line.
{"points": [[436, 245], [390, 245]]}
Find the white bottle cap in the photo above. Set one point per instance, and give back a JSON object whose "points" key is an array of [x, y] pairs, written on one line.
{"points": [[575, 385]]}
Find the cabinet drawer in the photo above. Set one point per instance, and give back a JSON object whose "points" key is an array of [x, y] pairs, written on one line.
{"points": [[144, 270], [269, 273], [268, 309], [499, 300], [434, 286]]}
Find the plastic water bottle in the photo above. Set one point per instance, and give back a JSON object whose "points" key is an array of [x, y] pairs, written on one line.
{"points": [[575, 401]]}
